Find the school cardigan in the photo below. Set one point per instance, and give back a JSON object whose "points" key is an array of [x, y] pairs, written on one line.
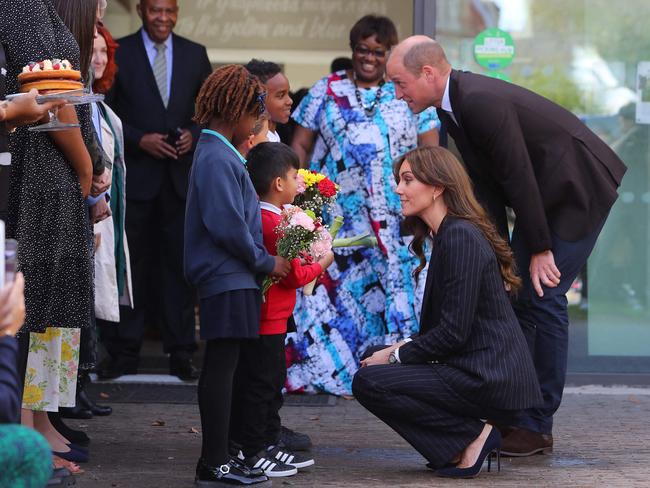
{"points": [[223, 233], [281, 297]]}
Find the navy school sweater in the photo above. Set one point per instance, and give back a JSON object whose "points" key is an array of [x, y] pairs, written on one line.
{"points": [[224, 249]]}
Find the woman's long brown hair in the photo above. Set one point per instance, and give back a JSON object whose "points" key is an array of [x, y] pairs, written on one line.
{"points": [[436, 166], [80, 16]]}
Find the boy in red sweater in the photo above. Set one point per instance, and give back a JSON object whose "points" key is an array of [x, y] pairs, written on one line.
{"points": [[273, 168]]}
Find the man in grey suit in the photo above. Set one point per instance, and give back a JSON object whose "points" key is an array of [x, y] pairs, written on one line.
{"points": [[523, 151]]}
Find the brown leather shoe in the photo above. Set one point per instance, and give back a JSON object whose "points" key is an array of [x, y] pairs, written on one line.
{"points": [[524, 442]]}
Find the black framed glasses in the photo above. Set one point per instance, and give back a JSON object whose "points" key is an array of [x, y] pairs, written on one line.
{"points": [[364, 51]]}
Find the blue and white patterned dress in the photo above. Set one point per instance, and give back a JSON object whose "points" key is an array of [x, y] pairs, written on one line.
{"points": [[368, 296]]}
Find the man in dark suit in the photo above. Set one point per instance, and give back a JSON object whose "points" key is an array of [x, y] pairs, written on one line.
{"points": [[522, 151], [159, 77]]}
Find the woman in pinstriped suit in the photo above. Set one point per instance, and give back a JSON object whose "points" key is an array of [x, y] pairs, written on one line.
{"points": [[470, 360]]}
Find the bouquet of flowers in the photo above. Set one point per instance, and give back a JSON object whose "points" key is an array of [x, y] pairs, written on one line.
{"points": [[301, 234], [315, 191]]}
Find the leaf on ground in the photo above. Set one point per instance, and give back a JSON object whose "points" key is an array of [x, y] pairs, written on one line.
{"points": [[315, 417], [158, 423], [103, 395], [634, 399], [193, 430], [347, 397]]}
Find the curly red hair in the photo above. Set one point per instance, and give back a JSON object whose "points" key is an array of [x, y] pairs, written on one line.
{"points": [[104, 84]]}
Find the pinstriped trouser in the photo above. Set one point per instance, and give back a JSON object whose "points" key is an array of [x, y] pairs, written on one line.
{"points": [[415, 402]]}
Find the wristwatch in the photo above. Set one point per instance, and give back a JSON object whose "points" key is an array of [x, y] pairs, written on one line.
{"points": [[392, 359]]}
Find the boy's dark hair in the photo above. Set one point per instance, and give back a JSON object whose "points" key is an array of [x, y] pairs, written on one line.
{"points": [[268, 161], [374, 25], [264, 70], [229, 93]]}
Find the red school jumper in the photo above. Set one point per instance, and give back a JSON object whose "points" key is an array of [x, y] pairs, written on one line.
{"points": [[281, 297]]}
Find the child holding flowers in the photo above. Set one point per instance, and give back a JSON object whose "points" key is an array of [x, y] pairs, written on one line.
{"points": [[273, 171], [225, 259]]}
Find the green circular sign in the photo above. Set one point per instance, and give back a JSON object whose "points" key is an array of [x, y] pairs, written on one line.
{"points": [[494, 49]]}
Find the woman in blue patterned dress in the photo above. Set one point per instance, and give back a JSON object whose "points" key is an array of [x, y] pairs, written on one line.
{"points": [[354, 128]]}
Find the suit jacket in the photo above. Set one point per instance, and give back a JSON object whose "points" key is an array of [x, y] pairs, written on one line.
{"points": [[468, 329], [526, 152], [10, 388], [137, 102]]}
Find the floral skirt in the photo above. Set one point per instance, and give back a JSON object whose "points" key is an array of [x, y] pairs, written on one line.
{"points": [[52, 365]]}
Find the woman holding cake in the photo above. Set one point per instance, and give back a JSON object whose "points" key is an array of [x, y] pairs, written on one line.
{"points": [[51, 175]]}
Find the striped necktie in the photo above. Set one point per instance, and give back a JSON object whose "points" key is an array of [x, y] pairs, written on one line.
{"points": [[160, 72]]}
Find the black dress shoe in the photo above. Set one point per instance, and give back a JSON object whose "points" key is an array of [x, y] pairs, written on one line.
{"points": [[99, 410], [233, 473], [78, 437], [115, 369], [183, 368], [76, 412], [294, 441]]}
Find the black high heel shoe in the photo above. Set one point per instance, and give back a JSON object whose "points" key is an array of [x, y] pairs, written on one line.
{"points": [[492, 446]]}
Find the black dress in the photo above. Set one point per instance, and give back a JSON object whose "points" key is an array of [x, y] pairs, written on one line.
{"points": [[47, 213]]}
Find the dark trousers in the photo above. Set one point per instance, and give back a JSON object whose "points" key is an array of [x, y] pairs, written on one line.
{"points": [[215, 393], [545, 322], [161, 295], [260, 375], [415, 402]]}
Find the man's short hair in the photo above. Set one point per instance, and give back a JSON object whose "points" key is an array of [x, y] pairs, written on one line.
{"points": [[422, 54]]}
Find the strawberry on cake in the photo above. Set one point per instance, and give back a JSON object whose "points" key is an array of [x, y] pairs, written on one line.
{"points": [[50, 76]]}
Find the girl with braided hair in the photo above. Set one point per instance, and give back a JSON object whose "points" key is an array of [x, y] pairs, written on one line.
{"points": [[225, 259]]}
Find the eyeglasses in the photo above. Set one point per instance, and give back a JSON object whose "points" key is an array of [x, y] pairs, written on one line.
{"points": [[364, 51]]}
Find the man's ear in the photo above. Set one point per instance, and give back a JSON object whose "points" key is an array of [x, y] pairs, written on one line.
{"points": [[429, 73], [138, 8]]}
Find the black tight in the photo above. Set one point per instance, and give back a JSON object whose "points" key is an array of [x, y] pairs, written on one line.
{"points": [[215, 398]]}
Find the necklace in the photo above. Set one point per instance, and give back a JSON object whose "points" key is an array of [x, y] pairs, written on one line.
{"points": [[371, 109]]}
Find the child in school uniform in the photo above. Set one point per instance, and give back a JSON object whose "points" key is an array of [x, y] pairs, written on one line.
{"points": [[273, 168], [257, 135], [278, 106], [225, 259], [278, 100]]}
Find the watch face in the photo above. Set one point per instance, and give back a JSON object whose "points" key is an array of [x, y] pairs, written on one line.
{"points": [[391, 358]]}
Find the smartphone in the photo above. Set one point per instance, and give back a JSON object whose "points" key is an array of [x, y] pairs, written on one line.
{"points": [[11, 259], [173, 135], [8, 257]]}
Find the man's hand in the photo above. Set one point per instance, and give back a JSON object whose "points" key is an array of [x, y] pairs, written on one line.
{"points": [[24, 110], [12, 306], [184, 143], [101, 183], [156, 145], [282, 267], [543, 271], [379, 357], [100, 211]]}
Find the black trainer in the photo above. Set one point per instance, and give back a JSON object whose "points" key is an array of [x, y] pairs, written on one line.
{"points": [[285, 456], [294, 441], [271, 466], [227, 475]]}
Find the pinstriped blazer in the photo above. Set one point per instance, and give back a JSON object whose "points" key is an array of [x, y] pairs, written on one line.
{"points": [[468, 329]]}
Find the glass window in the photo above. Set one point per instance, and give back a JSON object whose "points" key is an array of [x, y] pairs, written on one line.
{"points": [[588, 56]]}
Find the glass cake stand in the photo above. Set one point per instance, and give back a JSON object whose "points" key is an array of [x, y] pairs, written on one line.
{"points": [[71, 97]]}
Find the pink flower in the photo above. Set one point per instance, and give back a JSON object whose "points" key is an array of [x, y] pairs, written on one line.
{"points": [[300, 179], [322, 245], [301, 219]]}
